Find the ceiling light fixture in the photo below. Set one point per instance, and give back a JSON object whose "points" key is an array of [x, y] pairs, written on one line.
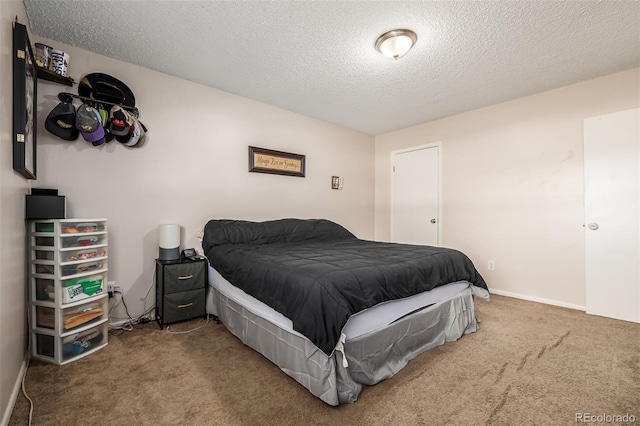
{"points": [[395, 44]]}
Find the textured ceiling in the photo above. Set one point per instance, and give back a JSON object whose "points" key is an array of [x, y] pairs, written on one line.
{"points": [[318, 58]]}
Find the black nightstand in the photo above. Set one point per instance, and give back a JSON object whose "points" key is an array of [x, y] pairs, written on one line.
{"points": [[180, 290]]}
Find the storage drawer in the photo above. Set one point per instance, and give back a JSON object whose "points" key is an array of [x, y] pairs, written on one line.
{"points": [[71, 317], [184, 305], [81, 268], [44, 227], [72, 346], [183, 277], [84, 341], [83, 241], [45, 345], [82, 254], [72, 255], [82, 288], [82, 227], [70, 226], [44, 255], [45, 289], [44, 241], [68, 270], [72, 241]]}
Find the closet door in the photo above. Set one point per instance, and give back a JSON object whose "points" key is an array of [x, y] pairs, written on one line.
{"points": [[612, 215]]}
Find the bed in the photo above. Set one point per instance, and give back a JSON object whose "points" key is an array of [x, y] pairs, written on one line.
{"points": [[334, 312]]}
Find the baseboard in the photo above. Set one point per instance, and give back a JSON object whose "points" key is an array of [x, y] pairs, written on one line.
{"points": [[14, 395], [538, 300]]}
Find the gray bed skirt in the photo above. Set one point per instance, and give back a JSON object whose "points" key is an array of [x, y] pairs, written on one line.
{"points": [[370, 358]]}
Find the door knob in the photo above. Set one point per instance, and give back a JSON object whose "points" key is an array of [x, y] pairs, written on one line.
{"points": [[593, 226], [433, 221]]}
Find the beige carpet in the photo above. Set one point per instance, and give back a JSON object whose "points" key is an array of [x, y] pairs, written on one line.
{"points": [[529, 364]]}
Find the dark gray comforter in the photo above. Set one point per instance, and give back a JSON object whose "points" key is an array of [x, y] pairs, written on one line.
{"points": [[318, 274]]}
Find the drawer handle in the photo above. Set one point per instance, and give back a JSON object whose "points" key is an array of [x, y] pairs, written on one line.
{"points": [[185, 277], [185, 305]]}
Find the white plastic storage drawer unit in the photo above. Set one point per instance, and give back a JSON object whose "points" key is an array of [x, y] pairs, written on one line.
{"points": [[68, 265]]}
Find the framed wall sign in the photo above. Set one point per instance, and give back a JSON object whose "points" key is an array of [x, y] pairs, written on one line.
{"points": [[276, 162], [24, 103]]}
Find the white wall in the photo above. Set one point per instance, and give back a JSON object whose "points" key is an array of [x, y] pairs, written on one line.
{"points": [[13, 188], [194, 167], [513, 184]]}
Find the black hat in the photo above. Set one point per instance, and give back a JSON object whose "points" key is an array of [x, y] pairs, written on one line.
{"points": [[103, 87], [61, 122], [120, 122]]}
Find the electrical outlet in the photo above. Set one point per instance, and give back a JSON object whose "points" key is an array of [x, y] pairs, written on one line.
{"points": [[111, 288], [491, 265]]}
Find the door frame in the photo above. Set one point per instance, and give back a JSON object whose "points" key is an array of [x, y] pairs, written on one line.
{"points": [[439, 184]]}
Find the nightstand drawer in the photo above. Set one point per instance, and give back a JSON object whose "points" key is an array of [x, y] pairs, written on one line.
{"points": [[184, 305], [183, 277]]}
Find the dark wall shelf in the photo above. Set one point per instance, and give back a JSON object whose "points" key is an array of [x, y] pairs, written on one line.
{"points": [[45, 74]]}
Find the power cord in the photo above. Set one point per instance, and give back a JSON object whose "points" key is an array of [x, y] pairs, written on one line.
{"points": [[153, 281], [188, 331], [141, 319], [24, 391], [130, 321], [26, 368], [123, 302]]}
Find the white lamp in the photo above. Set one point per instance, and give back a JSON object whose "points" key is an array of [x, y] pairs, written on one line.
{"points": [[395, 44], [169, 242]]}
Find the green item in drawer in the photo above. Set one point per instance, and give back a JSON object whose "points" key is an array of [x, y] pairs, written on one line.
{"points": [[76, 288]]}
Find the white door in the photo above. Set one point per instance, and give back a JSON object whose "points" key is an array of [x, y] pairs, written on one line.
{"points": [[612, 215], [415, 195]]}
